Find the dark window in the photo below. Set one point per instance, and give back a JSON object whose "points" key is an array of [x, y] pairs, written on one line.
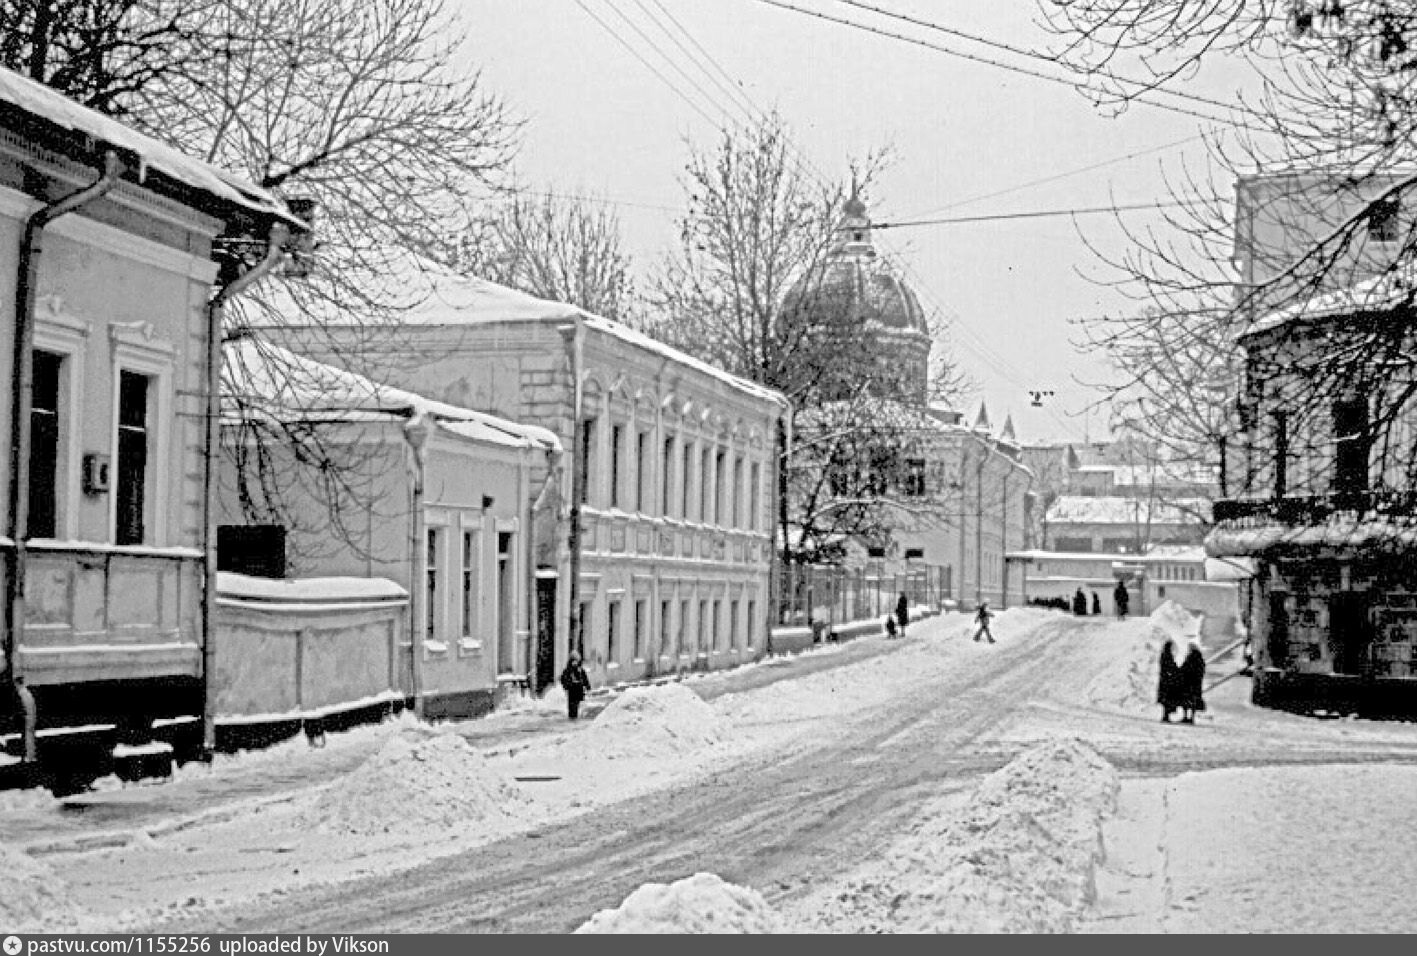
{"points": [[132, 457], [430, 628], [587, 441], [754, 475], [257, 550], [44, 445], [733, 625], [705, 475], [875, 552], [1382, 220], [469, 582], [617, 461], [684, 480], [752, 621], [641, 626], [720, 490], [914, 478], [612, 633], [918, 553], [642, 471], [666, 636], [1350, 432], [665, 503]]}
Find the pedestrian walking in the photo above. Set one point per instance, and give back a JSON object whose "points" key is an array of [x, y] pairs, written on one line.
{"points": [[982, 617], [1192, 677], [1080, 603], [1096, 604], [902, 613], [575, 683], [1168, 682], [1121, 599]]}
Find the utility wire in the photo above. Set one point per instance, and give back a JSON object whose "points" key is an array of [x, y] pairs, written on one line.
{"points": [[1040, 213], [998, 64]]}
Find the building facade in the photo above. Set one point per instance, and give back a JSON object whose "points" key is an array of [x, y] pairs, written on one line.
{"points": [[105, 342], [661, 560]]}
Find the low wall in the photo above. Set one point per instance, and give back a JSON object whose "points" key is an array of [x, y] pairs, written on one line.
{"points": [[306, 650], [791, 640]]}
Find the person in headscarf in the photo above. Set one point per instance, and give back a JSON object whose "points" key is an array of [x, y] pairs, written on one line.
{"points": [[1168, 682], [1080, 603], [1121, 599], [902, 613], [575, 683], [1096, 603], [1192, 677]]}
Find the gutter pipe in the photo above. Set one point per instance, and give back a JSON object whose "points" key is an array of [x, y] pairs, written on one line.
{"points": [[21, 407], [211, 451]]}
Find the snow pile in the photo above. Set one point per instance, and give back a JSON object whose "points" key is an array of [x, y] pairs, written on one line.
{"points": [[1020, 858], [415, 782], [702, 903], [32, 898], [655, 721], [1179, 623]]}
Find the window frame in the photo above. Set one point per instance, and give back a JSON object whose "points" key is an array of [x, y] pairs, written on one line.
{"points": [[134, 351]]}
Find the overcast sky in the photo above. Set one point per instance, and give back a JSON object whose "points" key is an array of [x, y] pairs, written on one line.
{"points": [[969, 139]]}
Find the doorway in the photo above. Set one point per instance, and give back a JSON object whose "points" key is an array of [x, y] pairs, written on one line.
{"points": [[545, 666], [1350, 634]]}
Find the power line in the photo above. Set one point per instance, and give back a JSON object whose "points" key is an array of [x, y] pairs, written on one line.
{"points": [[998, 64], [1039, 214], [1141, 86]]}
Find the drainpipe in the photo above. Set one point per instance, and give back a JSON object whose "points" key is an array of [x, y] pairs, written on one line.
{"points": [[211, 453], [21, 407], [574, 336], [416, 432]]}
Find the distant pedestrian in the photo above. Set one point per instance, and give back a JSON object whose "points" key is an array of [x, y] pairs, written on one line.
{"points": [[1192, 677], [1096, 604], [575, 683], [1168, 682], [982, 617], [1080, 603], [1121, 599], [902, 613], [890, 626]]}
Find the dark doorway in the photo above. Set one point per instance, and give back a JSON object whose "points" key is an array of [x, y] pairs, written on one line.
{"points": [[1349, 632], [545, 668], [1277, 640]]}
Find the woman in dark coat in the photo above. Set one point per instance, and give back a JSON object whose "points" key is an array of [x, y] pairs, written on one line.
{"points": [[575, 683], [1192, 677], [1168, 684], [902, 614], [1079, 603]]}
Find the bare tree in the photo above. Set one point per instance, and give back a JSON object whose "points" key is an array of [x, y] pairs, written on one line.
{"points": [[755, 288], [567, 250], [1322, 143]]}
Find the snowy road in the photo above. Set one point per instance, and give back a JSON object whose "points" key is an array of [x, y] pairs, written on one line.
{"points": [[808, 773], [795, 817]]}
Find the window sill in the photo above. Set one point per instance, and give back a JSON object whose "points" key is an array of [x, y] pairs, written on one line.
{"points": [[468, 647], [435, 650]]}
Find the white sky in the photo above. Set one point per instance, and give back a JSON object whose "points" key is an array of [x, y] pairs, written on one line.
{"points": [[600, 122]]}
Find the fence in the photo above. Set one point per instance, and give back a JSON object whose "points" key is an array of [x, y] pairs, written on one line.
{"points": [[837, 595]]}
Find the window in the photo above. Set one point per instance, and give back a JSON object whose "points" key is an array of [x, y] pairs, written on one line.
{"points": [[587, 443], [913, 483], [720, 490], [666, 636], [914, 554], [733, 625], [506, 605], [683, 627], [686, 464], [469, 582], [582, 623], [617, 465], [701, 644], [430, 630], [132, 480], [754, 476], [752, 622], [1382, 220], [44, 446], [641, 625], [737, 491], [642, 471], [612, 633], [875, 551], [705, 474], [666, 500], [1350, 432]]}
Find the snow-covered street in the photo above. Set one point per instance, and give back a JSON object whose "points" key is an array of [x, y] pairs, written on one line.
{"points": [[930, 783]]}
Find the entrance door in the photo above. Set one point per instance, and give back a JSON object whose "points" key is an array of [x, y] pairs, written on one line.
{"points": [[1349, 632], [545, 633]]}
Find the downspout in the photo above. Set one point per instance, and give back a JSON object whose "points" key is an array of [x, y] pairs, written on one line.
{"points": [[21, 407], [416, 432], [574, 336], [211, 453], [778, 565]]}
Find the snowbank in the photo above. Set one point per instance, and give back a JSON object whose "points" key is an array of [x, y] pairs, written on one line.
{"points": [[1179, 623], [1020, 858], [415, 782], [655, 721], [702, 903], [33, 899]]}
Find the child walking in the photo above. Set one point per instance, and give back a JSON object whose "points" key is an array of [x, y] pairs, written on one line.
{"points": [[982, 618]]}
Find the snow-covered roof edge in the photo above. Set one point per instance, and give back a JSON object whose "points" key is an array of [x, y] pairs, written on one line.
{"points": [[327, 388], [50, 105]]}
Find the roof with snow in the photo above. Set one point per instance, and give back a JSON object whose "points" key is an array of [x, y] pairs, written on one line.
{"points": [[58, 110], [1380, 293], [435, 295], [1115, 509], [267, 379]]}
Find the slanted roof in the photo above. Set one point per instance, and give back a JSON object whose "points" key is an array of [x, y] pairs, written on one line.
{"points": [[1379, 293], [276, 382], [57, 110], [1117, 509]]}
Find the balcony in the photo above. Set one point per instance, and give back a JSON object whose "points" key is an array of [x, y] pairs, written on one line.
{"points": [[1341, 519]]}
